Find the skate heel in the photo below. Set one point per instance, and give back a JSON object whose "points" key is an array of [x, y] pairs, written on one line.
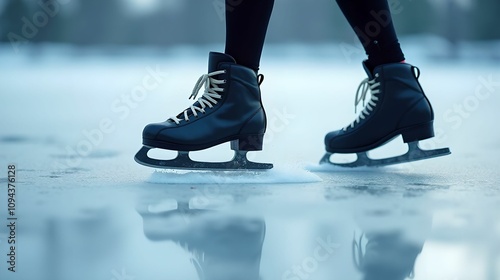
{"points": [[418, 132], [252, 142]]}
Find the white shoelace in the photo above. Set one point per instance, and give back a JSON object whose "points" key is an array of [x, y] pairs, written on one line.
{"points": [[363, 88], [209, 97]]}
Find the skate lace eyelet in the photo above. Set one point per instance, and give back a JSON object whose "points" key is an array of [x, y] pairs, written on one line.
{"points": [[211, 93], [366, 85]]}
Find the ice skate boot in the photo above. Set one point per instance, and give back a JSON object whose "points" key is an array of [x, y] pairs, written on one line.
{"points": [[398, 106], [230, 110]]}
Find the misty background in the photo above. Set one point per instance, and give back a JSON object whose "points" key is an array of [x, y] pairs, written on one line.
{"points": [[166, 23]]}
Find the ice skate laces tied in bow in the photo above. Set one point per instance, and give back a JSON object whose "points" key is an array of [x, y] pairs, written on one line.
{"points": [[363, 88], [209, 97]]}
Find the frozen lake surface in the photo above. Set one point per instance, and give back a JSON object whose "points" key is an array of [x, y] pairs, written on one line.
{"points": [[72, 122]]}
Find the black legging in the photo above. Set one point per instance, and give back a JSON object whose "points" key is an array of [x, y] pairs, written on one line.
{"points": [[247, 21], [246, 27]]}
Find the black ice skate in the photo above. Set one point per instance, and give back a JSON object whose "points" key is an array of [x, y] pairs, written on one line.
{"points": [[398, 106], [230, 110]]}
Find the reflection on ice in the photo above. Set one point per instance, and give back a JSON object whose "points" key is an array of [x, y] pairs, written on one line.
{"points": [[221, 246], [183, 232], [385, 256]]}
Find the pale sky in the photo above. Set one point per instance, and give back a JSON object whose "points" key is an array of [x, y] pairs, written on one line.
{"points": [[142, 6], [145, 6]]}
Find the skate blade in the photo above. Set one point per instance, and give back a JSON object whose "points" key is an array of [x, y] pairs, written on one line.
{"points": [[414, 153], [182, 161]]}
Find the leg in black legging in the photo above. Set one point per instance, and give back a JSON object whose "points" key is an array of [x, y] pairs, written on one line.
{"points": [[246, 27], [372, 22]]}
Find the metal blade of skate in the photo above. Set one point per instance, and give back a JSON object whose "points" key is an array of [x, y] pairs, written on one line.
{"points": [[414, 153], [182, 161]]}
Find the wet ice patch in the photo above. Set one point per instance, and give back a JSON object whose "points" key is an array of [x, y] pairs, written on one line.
{"points": [[103, 154], [333, 168], [97, 154], [277, 175], [14, 139]]}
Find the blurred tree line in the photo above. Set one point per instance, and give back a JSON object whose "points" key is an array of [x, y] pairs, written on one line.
{"points": [[86, 22]]}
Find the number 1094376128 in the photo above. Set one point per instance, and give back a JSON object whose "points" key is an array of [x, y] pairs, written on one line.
{"points": [[11, 189]]}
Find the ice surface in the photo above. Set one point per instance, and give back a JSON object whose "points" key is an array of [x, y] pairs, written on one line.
{"points": [[87, 211]]}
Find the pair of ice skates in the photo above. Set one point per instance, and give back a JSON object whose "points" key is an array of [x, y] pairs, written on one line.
{"points": [[230, 110]]}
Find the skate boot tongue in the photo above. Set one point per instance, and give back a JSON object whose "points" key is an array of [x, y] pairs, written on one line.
{"points": [[215, 59], [367, 70]]}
